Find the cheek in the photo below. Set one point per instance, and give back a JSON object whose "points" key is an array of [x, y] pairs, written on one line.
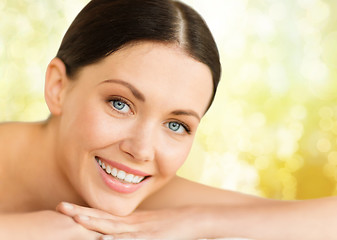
{"points": [[95, 129], [175, 157]]}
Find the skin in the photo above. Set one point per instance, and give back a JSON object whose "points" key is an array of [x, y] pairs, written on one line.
{"points": [[138, 135], [57, 156], [50, 185], [85, 125]]}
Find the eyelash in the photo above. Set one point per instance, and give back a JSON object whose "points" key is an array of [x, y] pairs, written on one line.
{"points": [[184, 125], [116, 98]]}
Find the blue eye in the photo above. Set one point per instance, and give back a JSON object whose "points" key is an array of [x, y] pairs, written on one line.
{"points": [[177, 127], [120, 106]]}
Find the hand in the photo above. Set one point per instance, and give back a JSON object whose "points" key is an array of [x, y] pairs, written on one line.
{"points": [[175, 223], [43, 225]]}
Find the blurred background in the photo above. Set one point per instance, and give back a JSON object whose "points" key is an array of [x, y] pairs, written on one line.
{"points": [[272, 130]]}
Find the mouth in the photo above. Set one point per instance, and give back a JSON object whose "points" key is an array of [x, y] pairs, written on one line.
{"points": [[121, 178]]}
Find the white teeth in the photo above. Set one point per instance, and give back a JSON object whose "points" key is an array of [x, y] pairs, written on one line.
{"points": [[135, 179], [128, 178], [114, 172], [140, 179], [121, 175]]}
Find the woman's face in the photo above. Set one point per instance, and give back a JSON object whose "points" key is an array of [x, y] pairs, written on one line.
{"points": [[128, 123]]}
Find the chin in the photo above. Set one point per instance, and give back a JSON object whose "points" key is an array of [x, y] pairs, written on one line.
{"points": [[117, 206], [121, 212]]}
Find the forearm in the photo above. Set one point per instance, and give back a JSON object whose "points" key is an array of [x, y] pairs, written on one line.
{"points": [[261, 219], [17, 226], [273, 220], [42, 225]]}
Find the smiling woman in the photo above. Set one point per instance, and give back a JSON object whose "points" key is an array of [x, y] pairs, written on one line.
{"points": [[126, 93], [127, 128]]}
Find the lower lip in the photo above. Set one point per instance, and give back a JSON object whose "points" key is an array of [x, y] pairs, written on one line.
{"points": [[118, 186]]}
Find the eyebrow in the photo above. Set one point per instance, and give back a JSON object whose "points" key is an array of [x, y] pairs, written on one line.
{"points": [[141, 97], [133, 90], [187, 112]]}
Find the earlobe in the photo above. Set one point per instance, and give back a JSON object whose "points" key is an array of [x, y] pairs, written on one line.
{"points": [[55, 84]]}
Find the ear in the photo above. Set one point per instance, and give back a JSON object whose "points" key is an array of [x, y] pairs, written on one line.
{"points": [[55, 85]]}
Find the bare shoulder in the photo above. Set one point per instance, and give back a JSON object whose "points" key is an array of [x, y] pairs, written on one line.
{"points": [[8, 151], [11, 133], [7, 129], [17, 130], [14, 139], [182, 192], [6, 134], [15, 146]]}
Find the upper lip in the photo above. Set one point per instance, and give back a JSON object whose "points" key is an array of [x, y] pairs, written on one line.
{"points": [[124, 168]]}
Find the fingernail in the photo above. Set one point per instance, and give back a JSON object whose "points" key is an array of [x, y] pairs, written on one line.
{"points": [[106, 237], [83, 217], [67, 206]]}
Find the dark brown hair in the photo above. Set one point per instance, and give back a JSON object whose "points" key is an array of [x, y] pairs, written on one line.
{"points": [[105, 26]]}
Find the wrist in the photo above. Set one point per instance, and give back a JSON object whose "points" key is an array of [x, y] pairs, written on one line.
{"points": [[215, 222], [227, 222]]}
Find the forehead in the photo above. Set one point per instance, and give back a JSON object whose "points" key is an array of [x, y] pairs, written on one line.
{"points": [[158, 70]]}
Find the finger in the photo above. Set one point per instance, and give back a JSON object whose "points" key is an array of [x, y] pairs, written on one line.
{"points": [[106, 237], [73, 210], [134, 236], [104, 226], [143, 236]]}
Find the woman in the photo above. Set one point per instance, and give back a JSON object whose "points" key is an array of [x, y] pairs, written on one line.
{"points": [[126, 92]]}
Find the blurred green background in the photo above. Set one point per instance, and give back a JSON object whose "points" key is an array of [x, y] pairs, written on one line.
{"points": [[272, 130]]}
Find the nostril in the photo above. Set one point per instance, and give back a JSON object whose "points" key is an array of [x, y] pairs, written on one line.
{"points": [[137, 149]]}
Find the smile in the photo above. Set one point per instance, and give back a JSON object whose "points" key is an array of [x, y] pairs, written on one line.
{"points": [[119, 177], [119, 174]]}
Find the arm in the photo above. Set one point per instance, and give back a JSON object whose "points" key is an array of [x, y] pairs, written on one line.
{"points": [[183, 210], [42, 225], [310, 219], [203, 212], [232, 214]]}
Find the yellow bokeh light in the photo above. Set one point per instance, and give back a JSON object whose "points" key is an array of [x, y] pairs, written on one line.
{"points": [[323, 145]]}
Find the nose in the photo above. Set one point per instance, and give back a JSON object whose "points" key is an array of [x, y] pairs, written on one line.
{"points": [[140, 142]]}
